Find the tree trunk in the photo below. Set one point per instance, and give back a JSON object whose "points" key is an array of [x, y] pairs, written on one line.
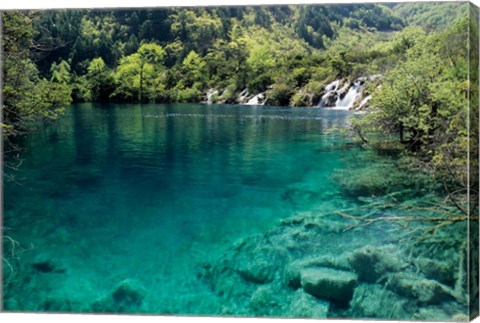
{"points": [[140, 92]]}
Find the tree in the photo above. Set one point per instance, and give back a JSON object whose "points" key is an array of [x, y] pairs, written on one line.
{"points": [[423, 103], [26, 96], [140, 74], [261, 65], [194, 69], [100, 80]]}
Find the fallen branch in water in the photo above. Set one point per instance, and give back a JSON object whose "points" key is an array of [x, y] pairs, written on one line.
{"points": [[443, 216], [12, 254], [399, 219]]}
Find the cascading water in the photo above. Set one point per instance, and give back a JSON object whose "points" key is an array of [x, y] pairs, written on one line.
{"points": [[332, 86], [349, 99], [242, 97], [257, 100], [210, 95], [330, 94], [342, 98]]}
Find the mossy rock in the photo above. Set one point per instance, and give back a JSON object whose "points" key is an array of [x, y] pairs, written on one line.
{"points": [[304, 305], [372, 301], [373, 263], [439, 270], [426, 291], [266, 301], [291, 276], [327, 283], [127, 297]]}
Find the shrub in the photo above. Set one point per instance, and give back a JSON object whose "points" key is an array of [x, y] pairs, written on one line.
{"points": [[280, 95]]}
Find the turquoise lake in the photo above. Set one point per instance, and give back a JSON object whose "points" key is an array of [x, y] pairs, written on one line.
{"points": [[150, 193]]}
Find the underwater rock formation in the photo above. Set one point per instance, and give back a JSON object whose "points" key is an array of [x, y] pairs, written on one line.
{"points": [[441, 271], [374, 301], [307, 267], [329, 283], [127, 297], [373, 263], [305, 305], [426, 291]]}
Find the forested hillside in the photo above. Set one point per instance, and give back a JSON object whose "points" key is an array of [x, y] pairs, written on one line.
{"points": [[176, 55], [432, 15]]}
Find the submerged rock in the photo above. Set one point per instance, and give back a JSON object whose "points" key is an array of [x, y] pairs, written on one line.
{"points": [[47, 267], [426, 291], [374, 301], [329, 99], [305, 305], [128, 292], [437, 313], [372, 263], [292, 276], [265, 301], [439, 270], [228, 284], [292, 270], [329, 283], [127, 297], [260, 267]]}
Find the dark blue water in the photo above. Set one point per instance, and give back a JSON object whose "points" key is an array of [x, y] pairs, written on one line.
{"points": [[148, 193]]}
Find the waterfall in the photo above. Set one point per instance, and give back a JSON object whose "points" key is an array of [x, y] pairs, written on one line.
{"points": [[242, 97], [349, 99], [257, 100], [330, 93], [343, 98], [332, 86], [210, 94]]}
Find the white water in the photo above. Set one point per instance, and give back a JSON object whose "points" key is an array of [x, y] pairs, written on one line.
{"points": [[210, 94], [342, 102], [242, 97], [349, 99], [329, 89], [256, 99], [332, 86]]}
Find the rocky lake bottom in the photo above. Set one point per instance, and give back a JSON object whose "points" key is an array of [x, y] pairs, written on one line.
{"points": [[220, 210]]}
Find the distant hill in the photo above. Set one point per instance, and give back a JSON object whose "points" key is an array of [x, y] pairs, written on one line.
{"points": [[431, 15]]}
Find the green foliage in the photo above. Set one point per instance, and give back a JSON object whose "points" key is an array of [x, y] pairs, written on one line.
{"points": [[27, 96], [280, 95], [432, 15], [317, 24], [202, 48], [189, 95], [193, 67], [139, 76], [198, 29], [423, 99], [100, 80], [61, 73], [229, 94]]}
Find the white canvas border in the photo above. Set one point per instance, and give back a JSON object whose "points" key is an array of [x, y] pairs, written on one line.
{"points": [[81, 318]]}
